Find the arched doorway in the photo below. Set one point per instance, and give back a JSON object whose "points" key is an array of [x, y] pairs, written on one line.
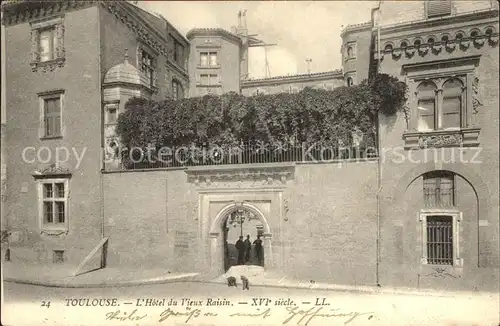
{"points": [[242, 234], [227, 226]]}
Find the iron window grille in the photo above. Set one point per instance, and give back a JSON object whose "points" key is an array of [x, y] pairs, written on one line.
{"points": [[440, 240]]}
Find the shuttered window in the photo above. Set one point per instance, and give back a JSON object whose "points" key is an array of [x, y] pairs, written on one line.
{"points": [[436, 8]]}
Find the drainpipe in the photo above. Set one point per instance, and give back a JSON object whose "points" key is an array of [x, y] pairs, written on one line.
{"points": [[101, 124], [379, 163]]}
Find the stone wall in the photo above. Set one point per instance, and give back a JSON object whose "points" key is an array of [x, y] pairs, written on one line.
{"points": [[158, 218]]}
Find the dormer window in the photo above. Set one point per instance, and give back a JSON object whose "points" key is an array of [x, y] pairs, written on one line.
{"points": [[438, 8]]}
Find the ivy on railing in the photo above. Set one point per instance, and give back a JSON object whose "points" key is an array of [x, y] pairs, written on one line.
{"points": [[345, 116]]}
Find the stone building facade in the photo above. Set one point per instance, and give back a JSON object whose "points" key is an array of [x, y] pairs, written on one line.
{"points": [[447, 53], [411, 217], [70, 67]]}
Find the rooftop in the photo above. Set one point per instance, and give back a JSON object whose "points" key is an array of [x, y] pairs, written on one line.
{"points": [[356, 27], [334, 73], [211, 31]]}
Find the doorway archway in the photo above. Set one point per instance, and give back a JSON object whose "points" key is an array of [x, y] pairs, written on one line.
{"points": [[218, 263]]}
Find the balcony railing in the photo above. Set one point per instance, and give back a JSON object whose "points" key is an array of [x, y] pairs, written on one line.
{"points": [[184, 156]]}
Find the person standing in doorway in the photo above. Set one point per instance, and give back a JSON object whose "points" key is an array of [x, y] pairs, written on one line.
{"points": [[248, 248], [240, 246], [258, 249]]}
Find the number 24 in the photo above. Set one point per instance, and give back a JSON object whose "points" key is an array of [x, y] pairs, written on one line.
{"points": [[46, 304]]}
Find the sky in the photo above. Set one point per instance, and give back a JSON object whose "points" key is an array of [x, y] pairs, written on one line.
{"points": [[301, 29]]}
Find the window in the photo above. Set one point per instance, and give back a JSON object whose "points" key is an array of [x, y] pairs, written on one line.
{"points": [[47, 45], [349, 82], [437, 8], [440, 220], [111, 110], [443, 97], [439, 189], [54, 203], [177, 90], [426, 106], [178, 51], [209, 79], [350, 51], [112, 115], [147, 66], [208, 59], [440, 108], [452, 103], [439, 240], [50, 112]]}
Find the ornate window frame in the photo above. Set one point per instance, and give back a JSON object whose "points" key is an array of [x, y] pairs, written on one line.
{"points": [[152, 84], [442, 70], [56, 227], [53, 174], [457, 218], [59, 51]]}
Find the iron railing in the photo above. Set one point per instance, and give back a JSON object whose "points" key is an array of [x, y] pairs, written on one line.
{"points": [[184, 156]]}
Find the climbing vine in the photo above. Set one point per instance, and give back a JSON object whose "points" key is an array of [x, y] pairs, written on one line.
{"points": [[310, 116]]}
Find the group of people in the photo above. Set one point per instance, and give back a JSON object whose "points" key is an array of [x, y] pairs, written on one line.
{"points": [[244, 249]]}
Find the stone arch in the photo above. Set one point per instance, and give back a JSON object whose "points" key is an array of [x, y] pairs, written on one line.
{"points": [[474, 32], [476, 182], [220, 219], [388, 47], [418, 41], [216, 236]]}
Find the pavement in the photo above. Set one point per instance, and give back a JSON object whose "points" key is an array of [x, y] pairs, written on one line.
{"points": [[62, 276]]}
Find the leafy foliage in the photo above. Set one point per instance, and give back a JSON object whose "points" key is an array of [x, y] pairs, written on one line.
{"points": [[310, 116]]}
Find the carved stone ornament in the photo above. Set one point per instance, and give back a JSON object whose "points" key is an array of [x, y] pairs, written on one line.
{"points": [[146, 36], [479, 41], [17, 12], [476, 102], [237, 176], [410, 51], [112, 147], [426, 141], [423, 50], [436, 48], [396, 53], [195, 211], [493, 39], [286, 209], [450, 46], [464, 44], [59, 53], [53, 170]]}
